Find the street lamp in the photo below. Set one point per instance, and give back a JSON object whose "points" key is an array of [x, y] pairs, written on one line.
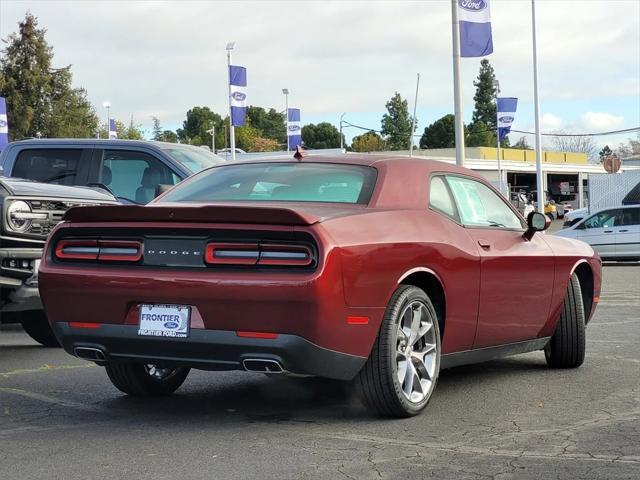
{"points": [[341, 137], [286, 114], [107, 105]]}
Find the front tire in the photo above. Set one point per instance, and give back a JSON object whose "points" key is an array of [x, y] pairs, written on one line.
{"points": [[566, 349], [37, 326], [402, 370], [142, 380]]}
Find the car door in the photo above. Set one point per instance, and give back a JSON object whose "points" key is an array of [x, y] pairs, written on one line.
{"points": [[516, 275], [133, 176], [628, 233], [599, 231]]}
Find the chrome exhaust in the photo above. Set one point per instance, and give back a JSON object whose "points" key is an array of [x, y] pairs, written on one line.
{"points": [[262, 365], [88, 353]]}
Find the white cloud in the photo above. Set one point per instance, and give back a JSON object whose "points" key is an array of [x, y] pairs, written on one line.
{"points": [[551, 122], [601, 122]]}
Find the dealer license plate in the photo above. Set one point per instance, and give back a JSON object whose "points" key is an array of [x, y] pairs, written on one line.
{"points": [[164, 321]]}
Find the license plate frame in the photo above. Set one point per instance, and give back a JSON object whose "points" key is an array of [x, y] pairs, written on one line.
{"points": [[162, 320]]}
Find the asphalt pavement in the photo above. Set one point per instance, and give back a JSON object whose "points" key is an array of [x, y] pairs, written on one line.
{"points": [[60, 418]]}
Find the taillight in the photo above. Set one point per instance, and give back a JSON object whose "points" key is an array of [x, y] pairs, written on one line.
{"points": [[258, 254], [103, 250]]}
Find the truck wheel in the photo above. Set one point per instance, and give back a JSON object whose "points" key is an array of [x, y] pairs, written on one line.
{"points": [[566, 348], [402, 369], [37, 326], [144, 380]]}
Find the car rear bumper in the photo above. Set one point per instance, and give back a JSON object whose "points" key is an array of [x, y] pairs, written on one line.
{"points": [[209, 350]]}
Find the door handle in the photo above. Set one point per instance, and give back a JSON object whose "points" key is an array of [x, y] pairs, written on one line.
{"points": [[623, 231], [484, 244], [608, 231]]}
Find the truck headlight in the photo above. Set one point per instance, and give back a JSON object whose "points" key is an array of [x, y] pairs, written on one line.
{"points": [[20, 216]]}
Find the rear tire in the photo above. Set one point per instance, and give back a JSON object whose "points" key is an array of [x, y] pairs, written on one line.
{"points": [[566, 349], [402, 370], [37, 326], [144, 380]]}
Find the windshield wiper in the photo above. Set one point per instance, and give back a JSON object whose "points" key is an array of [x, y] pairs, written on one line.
{"points": [[496, 224]]}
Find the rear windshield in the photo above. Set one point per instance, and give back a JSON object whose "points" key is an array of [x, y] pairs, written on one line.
{"points": [[279, 182]]}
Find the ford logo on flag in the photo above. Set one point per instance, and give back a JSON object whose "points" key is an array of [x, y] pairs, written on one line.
{"points": [[3, 123], [239, 96], [171, 325], [473, 5], [506, 119], [293, 128]]}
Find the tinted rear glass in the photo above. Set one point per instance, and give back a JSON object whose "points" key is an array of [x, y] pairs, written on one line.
{"points": [[58, 166], [279, 182]]}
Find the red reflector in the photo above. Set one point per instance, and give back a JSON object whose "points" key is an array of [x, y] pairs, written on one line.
{"points": [[596, 299], [268, 335], [357, 320], [84, 325]]}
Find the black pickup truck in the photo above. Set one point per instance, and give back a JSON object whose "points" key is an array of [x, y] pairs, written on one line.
{"points": [[55, 175]]}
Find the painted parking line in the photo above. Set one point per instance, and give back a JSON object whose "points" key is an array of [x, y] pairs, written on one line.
{"points": [[50, 400], [44, 368]]}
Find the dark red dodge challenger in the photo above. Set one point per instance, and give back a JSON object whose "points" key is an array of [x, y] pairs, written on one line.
{"points": [[367, 268]]}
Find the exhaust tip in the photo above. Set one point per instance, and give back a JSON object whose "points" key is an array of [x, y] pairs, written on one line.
{"points": [[262, 365], [88, 353]]}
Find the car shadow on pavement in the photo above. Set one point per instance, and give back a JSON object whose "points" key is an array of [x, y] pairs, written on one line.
{"points": [[255, 398]]}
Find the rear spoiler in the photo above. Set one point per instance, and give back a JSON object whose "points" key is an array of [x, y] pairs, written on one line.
{"points": [[199, 214]]}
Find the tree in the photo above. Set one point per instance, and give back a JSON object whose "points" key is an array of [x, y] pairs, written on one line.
{"points": [[368, 142], [169, 136], [269, 123], [573, 144], [629, 149], [194, 128], [485, 107], [440, 134], [604, 153], [522, 144], [322, 135], [40, 98], [396, 123], [478, 135], [124, 132], [156, 130]]}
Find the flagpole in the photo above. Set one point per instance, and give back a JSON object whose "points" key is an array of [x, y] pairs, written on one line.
{"points": [[232, 132], [536, 100], [413, 121], [457, 85], [496, 84]]}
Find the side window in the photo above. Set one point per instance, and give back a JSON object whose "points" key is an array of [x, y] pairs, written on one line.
{"points": [[602, 220], [440, 198], [134, 175], [479, 206], [59, 166], [629, 216]]}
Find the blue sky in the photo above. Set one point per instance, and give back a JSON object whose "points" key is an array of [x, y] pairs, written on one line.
{"points": [[159, 59]]}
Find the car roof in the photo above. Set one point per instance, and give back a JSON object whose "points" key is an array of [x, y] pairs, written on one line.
{"points": [[93, 141]]}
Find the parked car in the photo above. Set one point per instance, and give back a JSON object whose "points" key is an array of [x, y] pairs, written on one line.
{"points": [[30, 210], [131, 171], [613, 232], [134, 171], [381, 270], [574, 216]]}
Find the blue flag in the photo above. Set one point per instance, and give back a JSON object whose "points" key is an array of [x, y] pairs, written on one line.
{"points": [[4, 125], [238, 83], [113, 133], [506, 114], [475, 28], [294, 133]]}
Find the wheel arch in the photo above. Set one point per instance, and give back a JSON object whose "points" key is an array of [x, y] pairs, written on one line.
{"points": [[431, 283], [583, 271]]}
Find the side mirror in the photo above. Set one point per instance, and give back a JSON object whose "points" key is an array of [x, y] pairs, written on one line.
{"points": [[536, 222], [161, 188]]}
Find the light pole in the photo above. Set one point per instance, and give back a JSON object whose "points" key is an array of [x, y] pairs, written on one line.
{"points": [[536, 100], [232, 133], [341, 137], [496, 86], [107, 105], [413, 121], [286, 114], [212, 132]]}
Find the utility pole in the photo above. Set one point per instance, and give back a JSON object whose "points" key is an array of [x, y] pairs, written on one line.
{"points": [[457, 85], [536, 100], [413, 121], [341, 137]]}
